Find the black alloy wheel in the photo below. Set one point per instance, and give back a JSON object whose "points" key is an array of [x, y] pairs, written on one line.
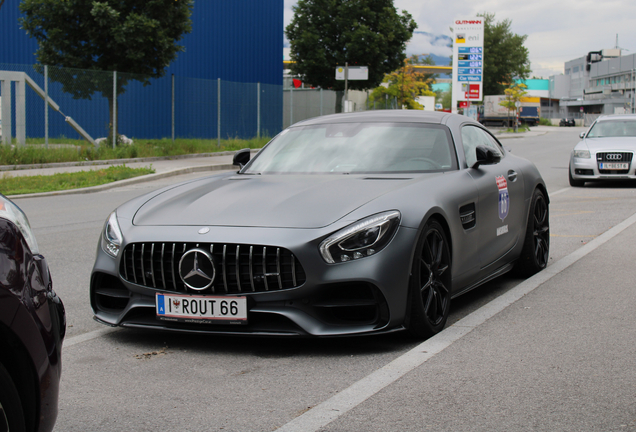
{"points": [[430, 286], [11, 414], [536, 247]]}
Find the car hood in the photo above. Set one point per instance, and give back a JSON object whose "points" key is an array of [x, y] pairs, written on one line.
{"points": [[292, 201], [611, 143]]}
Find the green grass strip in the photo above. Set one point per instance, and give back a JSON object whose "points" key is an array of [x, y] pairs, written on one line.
{"points": [[71, 150], [18, 185]]}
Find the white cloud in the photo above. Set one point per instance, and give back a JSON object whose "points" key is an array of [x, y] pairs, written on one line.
{"points": [[428, 44], [558, 31]]}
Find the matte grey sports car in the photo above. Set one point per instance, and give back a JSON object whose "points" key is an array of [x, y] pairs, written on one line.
{"points": [[605, 151], [344, 224]]}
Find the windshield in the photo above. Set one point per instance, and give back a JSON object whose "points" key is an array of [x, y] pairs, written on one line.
{"points": [[613, 128], [357, 148]]}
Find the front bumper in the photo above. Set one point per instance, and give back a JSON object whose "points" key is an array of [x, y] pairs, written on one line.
{"points": [[588, 170], [364, 296]]}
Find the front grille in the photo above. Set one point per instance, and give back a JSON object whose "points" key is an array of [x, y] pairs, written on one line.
{"points": [[614, 157], [239, 268]]}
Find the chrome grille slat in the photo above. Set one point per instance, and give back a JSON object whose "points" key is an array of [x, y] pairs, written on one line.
{"points": [[252, 268], [124, 258], [280, 281], [174, 282], [238, 268], [133, 264], [265, 268], [163, 275], [152, 265], [258, 268], [212, 252], [143, 270], [223, 265]]}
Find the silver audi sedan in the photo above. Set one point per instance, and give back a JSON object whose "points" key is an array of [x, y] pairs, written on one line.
{"points": [[605, 151]]}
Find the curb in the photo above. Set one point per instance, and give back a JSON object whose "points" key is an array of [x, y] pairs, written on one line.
{"points": [[126, 182], [114, 161], [534, 134]]}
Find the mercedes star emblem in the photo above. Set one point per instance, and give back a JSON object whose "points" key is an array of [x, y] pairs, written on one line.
{"points": [[196, 269]]}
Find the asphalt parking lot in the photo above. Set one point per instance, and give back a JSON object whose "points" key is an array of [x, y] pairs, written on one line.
{"points": [[554, 352]]}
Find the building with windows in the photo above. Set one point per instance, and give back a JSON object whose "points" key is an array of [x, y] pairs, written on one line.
{"points": [[603, 82]]}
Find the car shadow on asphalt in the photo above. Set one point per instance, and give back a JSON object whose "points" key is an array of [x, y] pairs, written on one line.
{"points": [[281, 347], [610, 184]]}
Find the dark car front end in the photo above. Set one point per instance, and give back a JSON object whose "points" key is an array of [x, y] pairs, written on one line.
{"points": [[32, 323]]}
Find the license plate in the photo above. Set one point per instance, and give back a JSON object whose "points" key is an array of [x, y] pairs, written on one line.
{"points": [[613, 165], [201, 309]]}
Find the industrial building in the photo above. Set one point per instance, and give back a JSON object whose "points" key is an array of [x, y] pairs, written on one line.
{"points": [[602, 82], [229, 76]]}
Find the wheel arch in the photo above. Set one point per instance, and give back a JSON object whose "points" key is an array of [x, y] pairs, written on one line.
{"points": [[438, 217], [543, 189], [441, 219]]}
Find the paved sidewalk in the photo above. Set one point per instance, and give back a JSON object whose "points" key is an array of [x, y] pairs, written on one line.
{"points": [[558, 356], [164, 167], [501, 133], [169, 166]]}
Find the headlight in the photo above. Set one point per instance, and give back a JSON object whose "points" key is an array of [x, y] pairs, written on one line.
{"points": [[111, 236], [361, 239], [12, 212], [583, 154]]}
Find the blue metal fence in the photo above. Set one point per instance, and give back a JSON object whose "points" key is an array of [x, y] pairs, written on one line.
{"points": [[146, 111]]}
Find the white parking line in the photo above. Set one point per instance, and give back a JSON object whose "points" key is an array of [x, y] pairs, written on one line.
{"points": [[89, 336], [349, 398], [560, 191]]}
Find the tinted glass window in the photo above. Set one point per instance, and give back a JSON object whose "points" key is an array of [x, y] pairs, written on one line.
{"points": [[472, 137], [357, 148], [613, 128]]}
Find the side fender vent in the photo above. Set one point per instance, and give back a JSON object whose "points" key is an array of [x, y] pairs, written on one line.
{"points": [[467, 216]]}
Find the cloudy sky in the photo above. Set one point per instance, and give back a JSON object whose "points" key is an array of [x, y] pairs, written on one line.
{"points": [[557, 30]]}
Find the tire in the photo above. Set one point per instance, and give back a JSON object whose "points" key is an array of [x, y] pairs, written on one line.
{"points": [[573, 182], [430, 283], [536, 246], [11, 414]]}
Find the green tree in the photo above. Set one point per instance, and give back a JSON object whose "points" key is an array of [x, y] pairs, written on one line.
{"points": [[514, 93], [446, 100], [505, 57], [405, 85], [325, 34], [423, 60], [137, 38]]}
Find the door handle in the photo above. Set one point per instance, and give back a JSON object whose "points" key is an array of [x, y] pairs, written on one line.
{"points": [[512, 175]]}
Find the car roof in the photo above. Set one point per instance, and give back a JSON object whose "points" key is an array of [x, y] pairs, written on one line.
{"points": [[617, 117], [380, 116]]}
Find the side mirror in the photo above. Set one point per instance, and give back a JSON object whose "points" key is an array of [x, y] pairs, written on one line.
{"points": [[241, 157], [485, 156], [582, 135]]}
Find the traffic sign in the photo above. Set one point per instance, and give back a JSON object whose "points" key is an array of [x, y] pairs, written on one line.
{"points": [[355, 73]]}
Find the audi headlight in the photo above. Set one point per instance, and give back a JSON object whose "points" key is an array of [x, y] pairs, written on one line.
{"points": [[111, 236], [12, 212], [361, 239], [582, 154]]}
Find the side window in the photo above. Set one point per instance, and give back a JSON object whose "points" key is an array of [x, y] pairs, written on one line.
{"points": [[471, 138]]}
